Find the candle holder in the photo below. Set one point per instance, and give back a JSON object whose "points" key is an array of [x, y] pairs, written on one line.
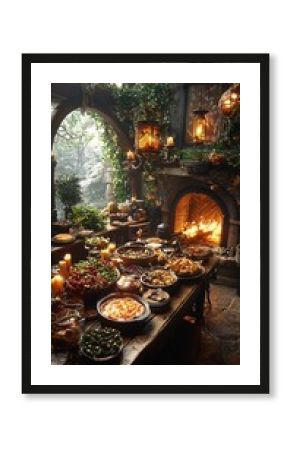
{"points": [[133, 162]]}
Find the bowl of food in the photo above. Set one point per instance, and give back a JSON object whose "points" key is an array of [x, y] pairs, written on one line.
{"points": [[63, 238], [90, 279], [155, 240], [161, 257], [101, 345], [196, 252], [65, 330], [118, 217], [98, 242], [129, 283], [159, 278], [123, 310], [158, 299], [135, 254], [185, 268], [134, 244], [61, 226], [84, 234]]}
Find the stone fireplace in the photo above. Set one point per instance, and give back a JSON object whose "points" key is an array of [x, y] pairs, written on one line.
{"points": [[199, 218], [200, 208]]}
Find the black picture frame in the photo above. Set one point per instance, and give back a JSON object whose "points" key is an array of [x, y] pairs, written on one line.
{"points": [[27, 61]]}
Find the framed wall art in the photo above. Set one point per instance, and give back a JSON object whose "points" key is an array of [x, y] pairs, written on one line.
{"points": [[145, 223]]}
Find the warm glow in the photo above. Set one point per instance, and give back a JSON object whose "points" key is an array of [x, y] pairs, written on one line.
{"points": [[199, 130], [130, 155], [199, 126], [209, 230], [57, 284], [169, 141], [147, 136]]}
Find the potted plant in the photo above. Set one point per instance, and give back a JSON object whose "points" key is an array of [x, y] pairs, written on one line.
{"points": [[88, 217], [69, 192]]}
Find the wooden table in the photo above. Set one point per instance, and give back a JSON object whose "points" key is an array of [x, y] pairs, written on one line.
{"points": [[143, 347]]}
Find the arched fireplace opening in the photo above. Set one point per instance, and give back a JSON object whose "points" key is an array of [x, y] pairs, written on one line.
{"points": [[199, 219]]}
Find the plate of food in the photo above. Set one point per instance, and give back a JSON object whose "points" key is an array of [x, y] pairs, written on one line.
{"points": [[102, 345], [158, 299], [98, 242], [91, 278], [135, 254], [155, 240], [63, 238], [197, 252], [159, 278], [160, 257], [185, 268], [123, 310]]}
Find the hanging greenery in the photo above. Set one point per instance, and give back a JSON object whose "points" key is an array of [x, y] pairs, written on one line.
{"points": [[134, 102], [114, 157], [143, 101]]}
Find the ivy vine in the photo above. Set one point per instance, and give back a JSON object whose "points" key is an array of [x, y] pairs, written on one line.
{"points": [[134, 102]]}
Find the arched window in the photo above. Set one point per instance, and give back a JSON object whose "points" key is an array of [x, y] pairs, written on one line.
{"points": [[79, 151]]}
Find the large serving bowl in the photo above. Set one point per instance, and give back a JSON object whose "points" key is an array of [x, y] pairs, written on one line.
{"points": [[197, 252], [185, 268], [159, 278], [124, 311], [101, 346], [135, 254], [91, 280]]}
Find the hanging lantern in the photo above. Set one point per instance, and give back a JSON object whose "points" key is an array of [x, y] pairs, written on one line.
{"points": [[230, 100], [199, 125], [147, 136]]}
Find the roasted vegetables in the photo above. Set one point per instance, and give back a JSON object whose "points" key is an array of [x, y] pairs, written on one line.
{"points": [[101, 343]]}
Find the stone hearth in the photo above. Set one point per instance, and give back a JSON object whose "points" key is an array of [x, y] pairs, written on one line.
{"points": [[174, 183]]}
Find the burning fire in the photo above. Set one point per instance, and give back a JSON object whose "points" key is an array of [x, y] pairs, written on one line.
{"points": [[209, 230]]}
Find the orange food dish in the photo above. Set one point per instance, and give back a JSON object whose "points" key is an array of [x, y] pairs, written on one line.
{"points": [[123, 308]]}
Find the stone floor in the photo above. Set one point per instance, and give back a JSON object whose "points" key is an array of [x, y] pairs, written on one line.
{"points": [[220, 336], [217, 342]]}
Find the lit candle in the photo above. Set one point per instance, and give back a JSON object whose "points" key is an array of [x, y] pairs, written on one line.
{"points": [[68, 260], [150, 141], [227, 105], [57, 283], [105, 254], [170, 141], [130, 155], [63, 268], [133, 199], [111, 247]]}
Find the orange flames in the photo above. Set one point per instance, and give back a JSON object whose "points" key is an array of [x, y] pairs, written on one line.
{"points": [[204, 230]]}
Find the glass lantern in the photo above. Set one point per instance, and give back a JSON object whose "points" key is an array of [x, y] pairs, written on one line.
{"points": [[230, 100], [199, 124], [147, 136]]}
